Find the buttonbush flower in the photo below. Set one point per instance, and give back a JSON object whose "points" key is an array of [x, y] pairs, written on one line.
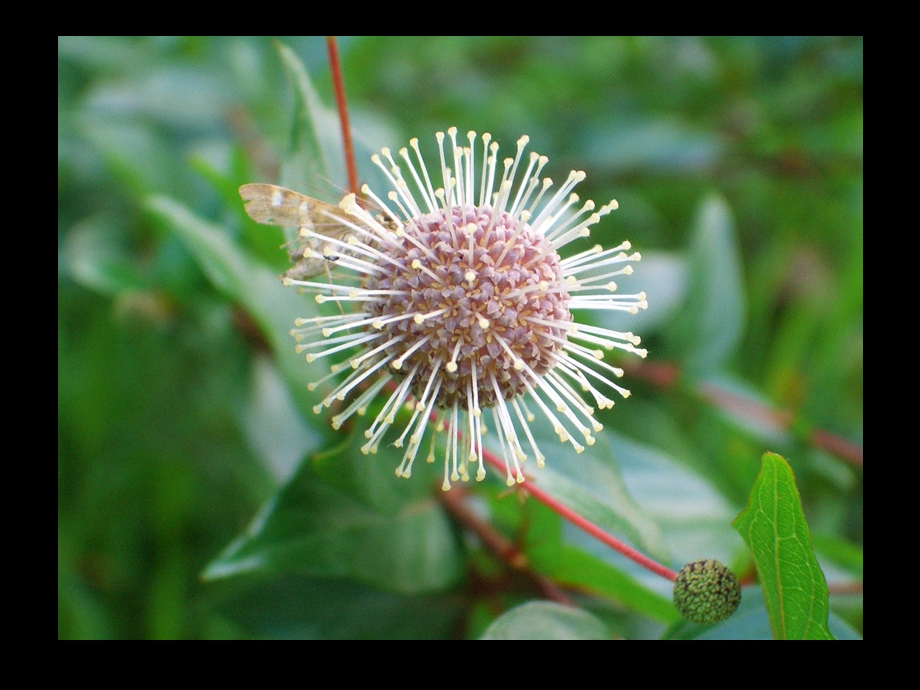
{"points": [[456, 304]]}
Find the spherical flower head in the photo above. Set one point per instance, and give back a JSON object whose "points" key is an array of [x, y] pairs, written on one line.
{"points": [[463, 306], [706, 592]]}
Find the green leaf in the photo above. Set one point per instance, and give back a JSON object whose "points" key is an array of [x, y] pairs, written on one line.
{"points": [[750, 622], [572, 566], [661, 144], [273, 425], [394, 537], [96, 256], [840, 552], [585, 572], [315, 142], [774, 527], [590, 483], [664, 277], [691, 513], [250, 284], [711, 322], [746, 407], [543, 620], [294, 607]]}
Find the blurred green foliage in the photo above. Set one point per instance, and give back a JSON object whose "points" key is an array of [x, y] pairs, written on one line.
{"points": [[737, 163]]}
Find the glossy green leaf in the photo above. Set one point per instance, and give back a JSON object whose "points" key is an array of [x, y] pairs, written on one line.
{"points": [[712, 319], [590, 483], [774, 527], [543, 620], [691, 513], [395, 536]]}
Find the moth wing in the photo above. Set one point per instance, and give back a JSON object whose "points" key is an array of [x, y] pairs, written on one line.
{"points": [[273, 205], [270, 204]]}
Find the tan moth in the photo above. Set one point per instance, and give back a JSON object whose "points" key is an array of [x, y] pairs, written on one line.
{"points": [[273, 205]]}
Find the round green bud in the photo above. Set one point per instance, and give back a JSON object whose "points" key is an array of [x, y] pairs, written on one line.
{"points": [[706, 592]]}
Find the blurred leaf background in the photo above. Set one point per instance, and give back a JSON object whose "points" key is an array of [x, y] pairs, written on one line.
{"points": [[737, 163]]}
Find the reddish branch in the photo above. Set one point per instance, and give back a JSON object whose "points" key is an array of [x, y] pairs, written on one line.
{"points": [[666, 375], [498, 545], [564, 511], [338, 86]]}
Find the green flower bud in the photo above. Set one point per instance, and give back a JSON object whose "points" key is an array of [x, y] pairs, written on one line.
{"points": [[706, 592]]}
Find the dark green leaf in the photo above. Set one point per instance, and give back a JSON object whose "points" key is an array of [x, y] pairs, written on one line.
{"points": [[354, 520], [293, 607], [774, 527]]}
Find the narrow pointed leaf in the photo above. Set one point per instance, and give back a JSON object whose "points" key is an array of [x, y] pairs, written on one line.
{"points": [[711, 321], [251, 285], [774, 527]]}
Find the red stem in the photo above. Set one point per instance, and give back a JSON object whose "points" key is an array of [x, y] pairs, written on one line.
{"points": [[588, 526], [338, 85]]}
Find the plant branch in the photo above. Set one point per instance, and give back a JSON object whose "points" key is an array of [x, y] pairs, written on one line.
{"points": [[666, 375], [338, 85], [567, 513], [501, 547]]}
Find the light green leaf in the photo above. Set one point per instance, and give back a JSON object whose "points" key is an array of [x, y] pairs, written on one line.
{"points": [[96, 256], [313, 163], [273, 425], [840, 552], [664, 277], [774, 527], [712, 319], [318, 525], [590, 484], [746, 407], [693, 516], [750, 622], [250, 284], [543, 620], [662, 144]]}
